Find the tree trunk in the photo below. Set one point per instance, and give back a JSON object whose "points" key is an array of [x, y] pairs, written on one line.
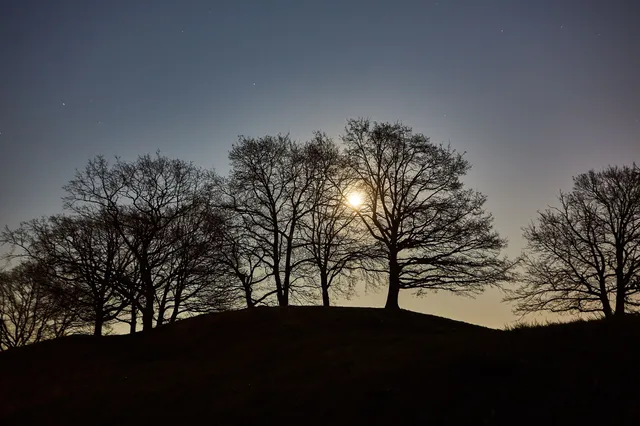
{"points": [[281, 298], [174, 314], [147, 311], [99, 321], [394, 283], [324, 284], [247, 292], [620, 304], [147, 317], [149, 297], [161, 313], [620, 292], [279, 287], [283, 290], [134, 319], [606, 307], [97, 327]]}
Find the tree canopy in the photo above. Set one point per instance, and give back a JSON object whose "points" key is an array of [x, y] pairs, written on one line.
{"points": [[584, 254], [433, 232]]}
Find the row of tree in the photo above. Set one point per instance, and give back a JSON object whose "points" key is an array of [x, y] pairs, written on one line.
{"points": [[156, 239]]}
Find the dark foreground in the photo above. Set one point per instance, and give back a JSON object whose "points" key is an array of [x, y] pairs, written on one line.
{"points": [[336, 366]]}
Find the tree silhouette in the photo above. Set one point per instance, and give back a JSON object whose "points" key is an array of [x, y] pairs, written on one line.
{"points": [[585, 254], [30, 310], [85, 255], [268, 187], [333, 238], [159, 206], [243, 259], [433, 232]]}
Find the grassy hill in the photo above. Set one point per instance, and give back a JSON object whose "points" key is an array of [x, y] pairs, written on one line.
{"points": [[336, 366]]}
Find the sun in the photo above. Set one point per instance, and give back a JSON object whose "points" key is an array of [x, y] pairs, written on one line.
{"points": [[355, 199]]}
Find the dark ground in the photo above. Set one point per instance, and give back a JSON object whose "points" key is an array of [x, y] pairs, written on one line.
{"points": [[336, 366]]}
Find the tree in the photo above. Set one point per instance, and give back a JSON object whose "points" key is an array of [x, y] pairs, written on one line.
{"points": [[85, 256], [268, 187], [196, 268], [584, 255], [333, 241], [244, 260], [29, 310], [158, 207], [433, 233]]}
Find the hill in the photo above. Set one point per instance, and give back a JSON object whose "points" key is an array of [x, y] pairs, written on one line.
{"points": [[318, 366]]}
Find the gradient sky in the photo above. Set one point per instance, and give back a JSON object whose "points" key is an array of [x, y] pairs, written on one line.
{"points": [[534, 91]]}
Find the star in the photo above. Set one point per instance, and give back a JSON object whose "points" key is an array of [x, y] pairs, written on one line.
{"points": [[63, 104]]}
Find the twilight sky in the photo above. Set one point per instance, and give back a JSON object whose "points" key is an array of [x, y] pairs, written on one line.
{"points": [[535, 91]]}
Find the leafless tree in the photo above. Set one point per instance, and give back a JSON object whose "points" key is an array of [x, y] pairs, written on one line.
{"points": [[584, 256], [434, 233], [156, 205], [244, 261], [85, 256], [268, 187], [29, 310], [196, 268], [333, 238]]}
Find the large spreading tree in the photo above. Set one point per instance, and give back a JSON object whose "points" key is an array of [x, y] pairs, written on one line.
{"points": [[584, 255], [432, 231]]}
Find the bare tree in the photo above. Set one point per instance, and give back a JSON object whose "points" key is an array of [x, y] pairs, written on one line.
{"points": [[155, 204], [85, 255], [244, 261], [196, 269], [268, 188], [584, 255], [29, 310], [333, 237], [434, 233]]}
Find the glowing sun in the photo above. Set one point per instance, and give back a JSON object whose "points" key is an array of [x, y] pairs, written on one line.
{"points": [[355, 199]]}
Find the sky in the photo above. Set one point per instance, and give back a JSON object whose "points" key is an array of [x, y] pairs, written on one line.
{"points": [[534, 91]]}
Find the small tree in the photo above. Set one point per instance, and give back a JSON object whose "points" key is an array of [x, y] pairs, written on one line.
{"points": [[243, 258], [584, 256], [268, 187], [30, 310], [433, 233], [333, 238], [85, 256]]}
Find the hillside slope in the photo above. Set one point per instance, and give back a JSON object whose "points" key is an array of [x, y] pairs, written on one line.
{"points": [[311, 365]]}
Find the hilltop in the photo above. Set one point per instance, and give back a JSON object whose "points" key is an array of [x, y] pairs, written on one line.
{"points": [[319, 366]]}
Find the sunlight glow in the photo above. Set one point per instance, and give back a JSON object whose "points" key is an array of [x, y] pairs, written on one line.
{"points": [[355, 199]]}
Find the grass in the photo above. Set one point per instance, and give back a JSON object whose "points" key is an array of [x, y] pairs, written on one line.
{"points": [[318, 366]]}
